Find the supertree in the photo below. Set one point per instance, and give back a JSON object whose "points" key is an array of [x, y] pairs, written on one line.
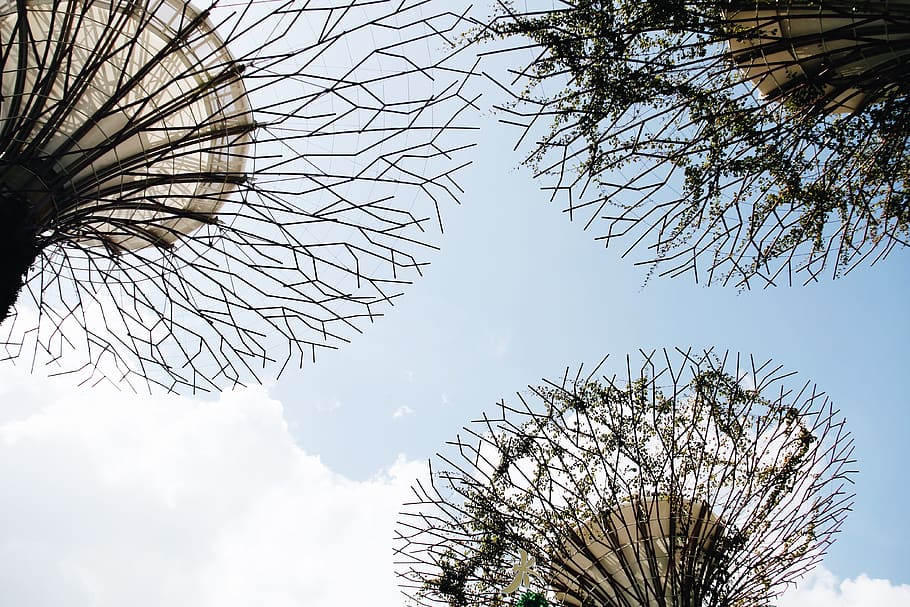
{"points": [[689, 479], [191, 195], [740, 141]]}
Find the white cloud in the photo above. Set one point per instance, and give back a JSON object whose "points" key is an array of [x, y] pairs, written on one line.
{"points": [[501, 347], [328, 406], [111, 499], [403, 411], [821, 588]]}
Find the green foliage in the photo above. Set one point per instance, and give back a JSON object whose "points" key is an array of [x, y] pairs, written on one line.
{"points": [[640, 83], [723, 483], [451, 582], [601, 445], [532, 599]]}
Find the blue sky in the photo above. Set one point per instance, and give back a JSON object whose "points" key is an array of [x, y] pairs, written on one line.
{"points": [[277, 495], [519, 293]]}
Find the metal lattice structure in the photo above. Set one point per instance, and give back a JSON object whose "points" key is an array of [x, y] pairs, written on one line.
{"points": [[192, 195], [687, 479], [743, 142]]}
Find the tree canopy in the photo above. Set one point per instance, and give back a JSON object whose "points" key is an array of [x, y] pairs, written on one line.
{"points": [[653, 125], [736, 479], [196, 199]]}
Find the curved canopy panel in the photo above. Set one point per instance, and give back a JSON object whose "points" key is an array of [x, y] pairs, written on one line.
{"points": [[142, 156], [195, 198], [845, 53], [642, 553]]}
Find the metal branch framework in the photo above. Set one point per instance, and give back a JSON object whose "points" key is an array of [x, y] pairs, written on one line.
{"points": [[191, 195], [738, 141], [687, 479]]}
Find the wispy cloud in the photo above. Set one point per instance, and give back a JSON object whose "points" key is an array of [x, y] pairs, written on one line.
{"points": [[328, 406], [403, 411], [501, 346]]}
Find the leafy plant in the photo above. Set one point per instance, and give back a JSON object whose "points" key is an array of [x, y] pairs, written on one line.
{"points": [[716, 486], [532, 599], [653, 125]]}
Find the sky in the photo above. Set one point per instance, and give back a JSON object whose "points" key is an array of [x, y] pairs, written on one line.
{"points": [[288, 493]]}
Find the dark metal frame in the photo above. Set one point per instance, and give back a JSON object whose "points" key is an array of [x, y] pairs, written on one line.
{"points": [[659, 142], [752, 463], [352, 146]]}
